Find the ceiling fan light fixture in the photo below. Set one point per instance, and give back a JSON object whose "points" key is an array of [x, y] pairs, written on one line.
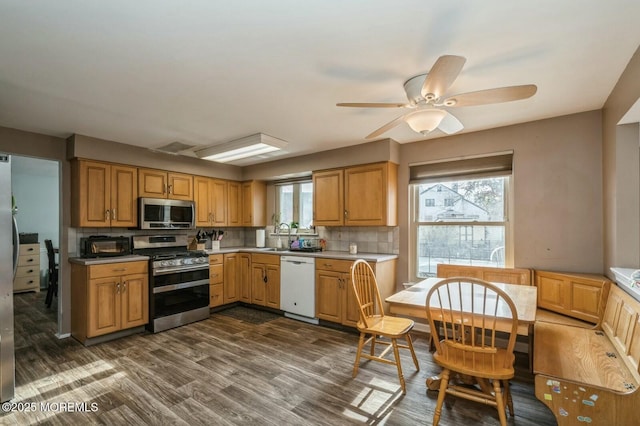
{"points": [[241, 148], [426, 120], [450, 102]]}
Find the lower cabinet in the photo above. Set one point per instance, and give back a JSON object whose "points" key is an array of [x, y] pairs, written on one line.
{"points": [[243, 269], [265, 280], [581, 296], [216, 280], [335, 298], [107, 298]]}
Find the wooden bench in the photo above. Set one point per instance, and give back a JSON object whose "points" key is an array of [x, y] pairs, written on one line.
{"points": [[571, 298], [591, 375], [487, 273]]}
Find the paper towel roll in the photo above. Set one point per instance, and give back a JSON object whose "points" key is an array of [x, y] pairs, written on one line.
{"points": [[259, 237]]}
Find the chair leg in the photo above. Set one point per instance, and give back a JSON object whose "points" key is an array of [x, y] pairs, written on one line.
{"points": [[444, 383], [396, 354], [49, 298], [372, 350], [357, 363], [413, 353], [507, 394], [500, 402]]}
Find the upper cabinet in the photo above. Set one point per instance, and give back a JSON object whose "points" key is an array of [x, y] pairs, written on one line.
{"points": [[161, 184], [211, 201], [105, 195], [254, 203], [356, 196], [234, 203]]}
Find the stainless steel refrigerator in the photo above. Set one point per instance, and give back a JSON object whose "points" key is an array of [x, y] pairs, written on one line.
{"points": [[8, 257]]}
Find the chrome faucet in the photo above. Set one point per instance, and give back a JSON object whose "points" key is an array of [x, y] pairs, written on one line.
{"points": [[288, 233]]}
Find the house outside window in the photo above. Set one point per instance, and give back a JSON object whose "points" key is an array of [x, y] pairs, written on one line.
{"points": [[294, 203], [467, 221]]}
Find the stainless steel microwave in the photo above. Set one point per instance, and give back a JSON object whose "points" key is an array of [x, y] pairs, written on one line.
{"points": [[159, 213]]}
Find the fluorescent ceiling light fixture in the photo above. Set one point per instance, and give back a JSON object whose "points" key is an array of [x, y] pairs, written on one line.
{"points": [[425, 120], [241, 148]]}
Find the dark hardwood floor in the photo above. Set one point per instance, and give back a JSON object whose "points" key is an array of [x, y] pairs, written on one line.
{"points": [[239, 367]]}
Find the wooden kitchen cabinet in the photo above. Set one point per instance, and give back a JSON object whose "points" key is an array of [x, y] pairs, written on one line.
{"points": [[335, 299], [328, 198], [231, 278], [254, 203], [243, 269], [28, 271], [265, 280], [103, 194], [210, 196], [216, 280], [234, 203], [107, 298], [162, 184], [356, 196], [581, 296]]}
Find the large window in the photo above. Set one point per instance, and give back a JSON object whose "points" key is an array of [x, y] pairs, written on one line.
{"points": [[295, 203], [459, 218]]}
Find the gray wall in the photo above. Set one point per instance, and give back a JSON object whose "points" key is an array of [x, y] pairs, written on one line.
{"points": [[621, 165]]}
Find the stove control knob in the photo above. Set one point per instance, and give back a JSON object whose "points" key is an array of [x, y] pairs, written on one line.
{"points": [[165, 263], [201, 260], [187, 261]]}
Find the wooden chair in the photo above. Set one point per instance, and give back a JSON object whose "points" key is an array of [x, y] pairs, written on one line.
{"points": [[468, 310], [375, 323], [52, 287]]}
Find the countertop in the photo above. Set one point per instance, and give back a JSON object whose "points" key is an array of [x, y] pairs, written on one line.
{"points": [[344, 255], [369, 257], [103, 260]]}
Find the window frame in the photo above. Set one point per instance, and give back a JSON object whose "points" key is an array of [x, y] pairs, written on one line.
{"points": [[296, 193], [414, 224]]}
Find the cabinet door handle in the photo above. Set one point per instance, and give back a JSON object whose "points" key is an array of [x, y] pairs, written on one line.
{"points": [[118, 288], [107, 215], [30, 260], [124, 286], [328, 265], [170, 189], [113, 214], [30, 249], [346, 214]]}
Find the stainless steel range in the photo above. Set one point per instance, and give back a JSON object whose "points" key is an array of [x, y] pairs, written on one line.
{"points": [[178, 281]]}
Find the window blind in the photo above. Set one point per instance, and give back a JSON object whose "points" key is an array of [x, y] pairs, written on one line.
{"points": [[460, 169]]}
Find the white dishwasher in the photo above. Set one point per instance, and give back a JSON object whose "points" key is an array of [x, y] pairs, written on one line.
{"points": [[298, 288]]}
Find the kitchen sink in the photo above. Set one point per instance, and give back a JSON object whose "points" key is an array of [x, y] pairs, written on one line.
{"points": [[274, 249]]}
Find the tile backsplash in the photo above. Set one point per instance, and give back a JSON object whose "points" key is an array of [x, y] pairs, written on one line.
{"points": [[369, 239]]}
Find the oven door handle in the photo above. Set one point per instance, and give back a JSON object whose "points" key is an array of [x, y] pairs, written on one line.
{"points": [[180, 269], [172, 287]]}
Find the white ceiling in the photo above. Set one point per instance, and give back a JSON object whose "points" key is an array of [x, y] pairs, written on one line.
{"points": [[201, 72]]}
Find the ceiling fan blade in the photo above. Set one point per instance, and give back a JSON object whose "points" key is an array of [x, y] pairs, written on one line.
{"points": [[450, 124], [371, 105], [492, 96], [442, 75], [390, 125]]}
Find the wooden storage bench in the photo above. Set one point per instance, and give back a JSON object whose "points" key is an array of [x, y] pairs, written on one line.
{"points": [[591, 375]]}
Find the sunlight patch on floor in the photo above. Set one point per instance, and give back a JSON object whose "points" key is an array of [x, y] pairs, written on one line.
{"points": [[374, 401]]}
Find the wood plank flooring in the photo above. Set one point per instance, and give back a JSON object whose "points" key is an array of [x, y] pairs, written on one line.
{"points": [[228, 371]]}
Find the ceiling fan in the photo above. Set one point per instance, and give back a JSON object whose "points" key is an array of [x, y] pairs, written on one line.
{"points": [[426, 95]]}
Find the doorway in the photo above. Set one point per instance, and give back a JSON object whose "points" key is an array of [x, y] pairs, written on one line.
{"points": [[35, 187]]}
